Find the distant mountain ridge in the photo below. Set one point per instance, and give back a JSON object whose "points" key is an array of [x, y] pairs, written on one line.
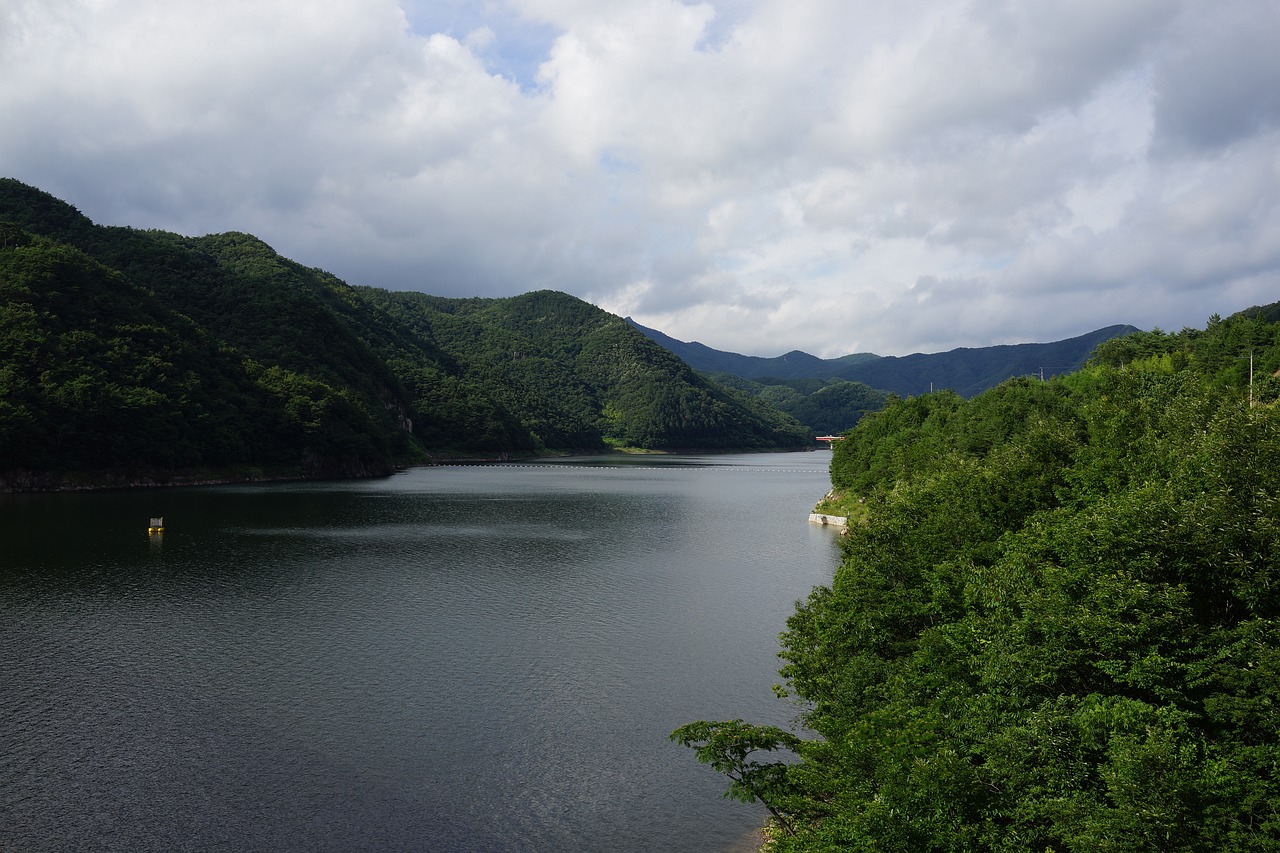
{"points": [[967, 370], [792, 365]]}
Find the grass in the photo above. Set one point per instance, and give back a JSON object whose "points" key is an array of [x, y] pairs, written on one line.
{"points": [[842, 504]]}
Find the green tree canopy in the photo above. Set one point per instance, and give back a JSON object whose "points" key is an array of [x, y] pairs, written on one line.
{"points": [[1059, 628]]}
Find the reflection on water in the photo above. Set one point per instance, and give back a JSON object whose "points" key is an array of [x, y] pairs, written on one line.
{"points": [[459, 658]]}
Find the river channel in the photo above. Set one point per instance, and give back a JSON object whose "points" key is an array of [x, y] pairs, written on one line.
{"points": [[454, 658]]}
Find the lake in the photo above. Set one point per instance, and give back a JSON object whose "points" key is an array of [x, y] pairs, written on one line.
{"points": [[454, 658]]}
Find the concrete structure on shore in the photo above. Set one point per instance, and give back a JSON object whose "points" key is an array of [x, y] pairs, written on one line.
{"points": [[822, 518]]}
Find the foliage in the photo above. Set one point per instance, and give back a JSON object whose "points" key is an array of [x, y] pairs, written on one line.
{"points": [[123, 350], [844, 505], [1058, 627], [97, 373], [728, 747], [582, 378], [825, 406]]}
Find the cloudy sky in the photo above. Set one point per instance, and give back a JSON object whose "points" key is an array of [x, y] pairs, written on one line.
{"points": [[760, 175]]}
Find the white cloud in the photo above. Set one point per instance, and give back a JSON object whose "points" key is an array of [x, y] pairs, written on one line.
{"points": [[818, 174]]}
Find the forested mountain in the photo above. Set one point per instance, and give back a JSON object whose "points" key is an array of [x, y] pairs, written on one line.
{"points": [[967, 371], [1056, 624], [970, 371], [144, 356], [97, 372], [580, 377], [826, 406], [793, 365]]}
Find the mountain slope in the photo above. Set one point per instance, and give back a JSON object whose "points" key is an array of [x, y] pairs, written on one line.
{"points": [[296, 368], [970, 371], [826, 406], [99, 375], [582, 377], [967, 371], [793, 365]]}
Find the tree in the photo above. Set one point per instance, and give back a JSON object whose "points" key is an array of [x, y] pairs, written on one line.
{"points": [[1058, 627], [727, 746]]}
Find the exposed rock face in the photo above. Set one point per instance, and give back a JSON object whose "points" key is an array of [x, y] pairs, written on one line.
{"points": [[397, 409]]}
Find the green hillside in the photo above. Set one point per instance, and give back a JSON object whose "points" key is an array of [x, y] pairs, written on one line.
{"points": [[584, 378], [132, 356], [1058, 626], [103, 381], [826, 406]]}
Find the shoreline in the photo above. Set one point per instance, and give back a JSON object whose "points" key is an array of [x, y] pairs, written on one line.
{"points": [[27, 481], [753, 841]]}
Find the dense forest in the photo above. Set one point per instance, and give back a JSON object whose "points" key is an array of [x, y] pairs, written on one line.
{"points": [[826, 406], [1056, 626], [582, 378], [130, 356]]}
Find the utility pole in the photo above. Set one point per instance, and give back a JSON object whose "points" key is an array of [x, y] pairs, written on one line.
{"points": [[1250, 376]]}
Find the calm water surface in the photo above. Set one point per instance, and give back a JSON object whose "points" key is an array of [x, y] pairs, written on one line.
{"points": [[470, 658]]}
